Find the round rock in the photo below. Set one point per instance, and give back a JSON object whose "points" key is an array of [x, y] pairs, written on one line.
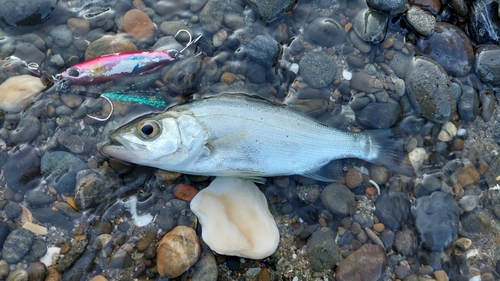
{"points": [[262, 49], [422, 21], [62, 36], [322, 251], [487, 64], [60, 168], [392, 209], [138, 24], [386, 5], [338, 199], [371, 25], [17, 244], [318, 69], [325, 32], [366, 263]]}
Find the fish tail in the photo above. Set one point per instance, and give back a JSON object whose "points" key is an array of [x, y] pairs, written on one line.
{"points": [[388, 151]]}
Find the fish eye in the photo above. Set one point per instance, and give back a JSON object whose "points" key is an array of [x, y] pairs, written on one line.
{"points": [[148, 129], [73, 72]]}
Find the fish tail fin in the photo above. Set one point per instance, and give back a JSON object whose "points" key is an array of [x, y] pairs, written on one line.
{"points": [[388, 151]]}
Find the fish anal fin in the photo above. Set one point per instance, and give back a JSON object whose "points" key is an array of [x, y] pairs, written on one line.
{"points": [[327, 173]]}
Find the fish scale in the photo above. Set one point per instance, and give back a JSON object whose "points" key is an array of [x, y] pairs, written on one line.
{"points": [[237, 135]]}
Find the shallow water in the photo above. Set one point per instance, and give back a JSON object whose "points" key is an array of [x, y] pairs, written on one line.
{"points": [[310, 58]]}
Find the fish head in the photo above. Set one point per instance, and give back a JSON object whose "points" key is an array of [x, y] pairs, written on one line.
{"points": [[169, 143], [76, 75]]}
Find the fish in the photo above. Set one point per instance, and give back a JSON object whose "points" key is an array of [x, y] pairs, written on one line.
{"points": [[117, 65], [247, 137]]}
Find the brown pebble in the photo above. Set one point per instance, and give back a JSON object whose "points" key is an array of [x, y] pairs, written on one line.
{"points": [[346, 222], [219, 38], [178, 250], [355, 228], [65, 247], [228, 78], [483, 167], [99, 278], [353, 178], [184, 192], [441, 275], [210, 66], [458, 144], [167, 176], [36, 271], [388, 42], [379, 227], [80, 26], [467, 175], [138, 24], [145, 240], [53, 274], [371, 191], [390, 54], [264, 275], [127, 247]]}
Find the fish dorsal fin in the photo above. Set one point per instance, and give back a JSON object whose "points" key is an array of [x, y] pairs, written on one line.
{"points": [[327, 173]]}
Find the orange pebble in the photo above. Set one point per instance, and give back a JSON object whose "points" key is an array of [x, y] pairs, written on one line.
{"points": [[348, 27], [379, 227], [184, 192], [371, 191]]}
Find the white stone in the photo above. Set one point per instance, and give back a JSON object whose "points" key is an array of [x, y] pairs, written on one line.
{"points": [[51, 256], [235, 219], [16, 93], [416, 157], [448, 131]]}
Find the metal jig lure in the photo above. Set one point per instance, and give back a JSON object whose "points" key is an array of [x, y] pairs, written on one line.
{"points": [[108, 67]]}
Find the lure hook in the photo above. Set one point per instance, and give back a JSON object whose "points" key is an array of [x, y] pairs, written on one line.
{"points": [[191, 41], [110, 112]]}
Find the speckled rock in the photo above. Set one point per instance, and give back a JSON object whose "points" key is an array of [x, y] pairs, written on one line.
{"points": [[212, 14], [90, 189], [428, 83], [338, 199], [262, 49], [487, 64], [366, 263], [468, 105], [60, 168], [371, 25], [78, 144], [22, 169], [27, 129], [325, 32], [318, 69], [62, 35], [433, 6], [406, 242], [450, 47], [80, 26], [387, 115], [178, 250], [17, 244], [422, 21], [109, 44], [436, 220], [322, 250], [17, 92], [13, 210], [138, 24], [270, 10]]}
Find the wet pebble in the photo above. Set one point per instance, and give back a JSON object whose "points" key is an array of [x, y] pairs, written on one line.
{"points": [[433, 6], [392, 209], [366, 263], [165, 219], [90, 188], [484, 21], [78, 245], [379, 174], [325, 32], [109, 44], [17, 245], [450, 47], [137, 24], [468, 202], [422, 21], [487, 64], [78, 144], [62, 36], [29, 52], [428, 83], [406, 242], [234, 21], [353, 178], [184, 192], [468, 105], [170, 28], [17, 92], [362, 46], [23, 13], [19, 274], [212, 14], [436, 220], [38, 197], [371, 25], [256, 72], [27, 129], [487, 104], [22, 169], [318, 69], [205, 269], [80, 26], [322, 250], [60, 168], [4, 269], [13, 210], [121, 259], [178, 250], [270, 10], [448, 132], [387, 115], [72, 100], [338, 199], [262, 49]]}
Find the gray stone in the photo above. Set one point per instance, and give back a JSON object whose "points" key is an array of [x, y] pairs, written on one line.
{"points": [[212, 14], [22, 168], [371, 25], [322, 251], [60, 169], [387, 115], [13, 210], [262, 49], [318, 69], [17, 244], [25, 13], [256, 72], [165, 219], [487, 64], [78, 144], [270, 10], [487, 104], [90, 189], [27, 130], [325, 32], [468, 106], [62, 36], [359, 44], [364, 82], [428, 84], [392, 209], [386, 5], [406, 242], [205, 269], [338, 199], [422, 21], [436, 220], [39, 197]]}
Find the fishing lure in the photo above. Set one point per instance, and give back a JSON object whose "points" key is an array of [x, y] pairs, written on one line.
{"points": [[109, 67]]}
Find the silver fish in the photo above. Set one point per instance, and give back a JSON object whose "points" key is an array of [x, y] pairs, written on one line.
{"points": [[242, 136]]}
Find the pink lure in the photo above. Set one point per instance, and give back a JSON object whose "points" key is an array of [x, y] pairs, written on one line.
{"points": [[108, 67]]}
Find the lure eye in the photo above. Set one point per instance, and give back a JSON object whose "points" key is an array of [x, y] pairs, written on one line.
{"points": [[148, 129], [73, 72]]}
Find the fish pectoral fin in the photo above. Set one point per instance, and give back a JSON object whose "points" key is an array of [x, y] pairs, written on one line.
{"points": [[327, 173], [236, 139]]}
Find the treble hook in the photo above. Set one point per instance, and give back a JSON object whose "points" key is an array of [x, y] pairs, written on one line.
{"points": [[110, 112], [191, 41]]}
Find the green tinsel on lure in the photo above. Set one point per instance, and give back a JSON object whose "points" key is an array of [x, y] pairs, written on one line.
{"points": [[146, 100]]}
